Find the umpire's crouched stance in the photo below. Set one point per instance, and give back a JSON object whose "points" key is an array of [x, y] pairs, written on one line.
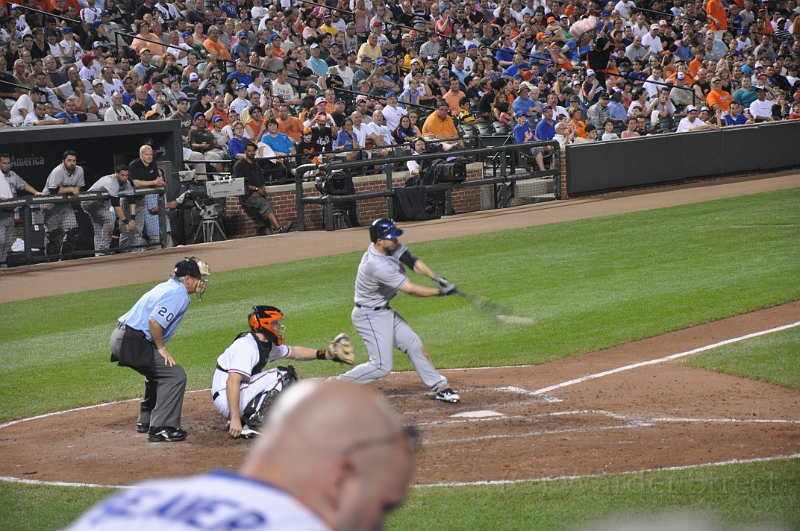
{"points": [[139, 342]]}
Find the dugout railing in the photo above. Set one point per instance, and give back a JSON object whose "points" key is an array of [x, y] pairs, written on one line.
{"points": [[30, 206], [508, 173]]}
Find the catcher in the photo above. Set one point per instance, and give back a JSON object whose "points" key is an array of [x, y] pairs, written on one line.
{"points": [[240, 382]]}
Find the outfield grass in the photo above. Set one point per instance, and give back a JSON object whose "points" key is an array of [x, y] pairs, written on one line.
{"points": [[738, 494], [771, 358], [589, 284]]}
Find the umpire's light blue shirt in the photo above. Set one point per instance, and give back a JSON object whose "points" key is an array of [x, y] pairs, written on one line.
{"points": [[165, 304]]}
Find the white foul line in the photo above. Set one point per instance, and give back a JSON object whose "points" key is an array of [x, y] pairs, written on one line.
{"points": [[661, 360]]}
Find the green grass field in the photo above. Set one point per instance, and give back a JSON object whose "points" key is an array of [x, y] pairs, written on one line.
{"points": [[589, 284], [772, 358]]}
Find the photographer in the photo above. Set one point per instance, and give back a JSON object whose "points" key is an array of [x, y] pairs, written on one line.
{"points": [[255, 191]]}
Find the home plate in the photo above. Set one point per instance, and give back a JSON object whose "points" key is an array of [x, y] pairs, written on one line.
{"points": [[478, 414]]}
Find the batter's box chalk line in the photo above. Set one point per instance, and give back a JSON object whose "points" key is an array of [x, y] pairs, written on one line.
{"points": [[627, 422]]}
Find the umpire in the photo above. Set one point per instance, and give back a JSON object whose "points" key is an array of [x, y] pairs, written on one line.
{"points": [[139, 342]]}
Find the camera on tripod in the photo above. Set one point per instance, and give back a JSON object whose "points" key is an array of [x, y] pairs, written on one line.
{"points": [[337, 183], [207, 198]]}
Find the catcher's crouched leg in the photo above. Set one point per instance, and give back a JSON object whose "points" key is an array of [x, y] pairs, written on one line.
{"points": [[255, 413]]}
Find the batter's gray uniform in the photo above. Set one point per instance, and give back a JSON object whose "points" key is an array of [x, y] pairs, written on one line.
{"points": [[60, 215], [378, 281], [13, 182], [103, 217]]}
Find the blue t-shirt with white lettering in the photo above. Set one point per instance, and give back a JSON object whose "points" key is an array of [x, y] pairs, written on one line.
{"points": [[165, 304]]}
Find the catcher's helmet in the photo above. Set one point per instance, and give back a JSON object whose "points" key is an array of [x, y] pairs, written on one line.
{"points": [[385, 229], [269, 321]]}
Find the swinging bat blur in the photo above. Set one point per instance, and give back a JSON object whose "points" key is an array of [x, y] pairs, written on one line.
{"points": [[499, 311]]}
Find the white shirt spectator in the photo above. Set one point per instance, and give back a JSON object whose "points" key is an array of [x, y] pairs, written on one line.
{"points": [[239, 105], [176, 52], [114, 86], [361, 134], [24, 102], [653, 88], [761, 109], [381, 131], [624, 8], [392, 116], [90, 14], [32, 119], [346, 74], [653, 44], [283, 89], [103, 104], [685, 125]]}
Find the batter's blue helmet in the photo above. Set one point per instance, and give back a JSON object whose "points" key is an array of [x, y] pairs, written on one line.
{"points": [[385, 229]]}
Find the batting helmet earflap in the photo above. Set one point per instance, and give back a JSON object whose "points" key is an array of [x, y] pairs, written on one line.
{"points": [[267, 320], [384, 229]]}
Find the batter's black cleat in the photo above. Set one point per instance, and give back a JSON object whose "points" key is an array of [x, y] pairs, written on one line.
{"points": [[141, 427], [165, 434], [448, 395]]}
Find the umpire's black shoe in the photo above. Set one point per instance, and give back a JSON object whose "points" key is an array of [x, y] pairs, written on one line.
{"points": [[165, 434], [141, 427]]}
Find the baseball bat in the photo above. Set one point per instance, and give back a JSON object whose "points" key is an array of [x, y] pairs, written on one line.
{"points": [[495, 309]]}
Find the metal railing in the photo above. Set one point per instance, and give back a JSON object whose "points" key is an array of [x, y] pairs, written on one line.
{"points": [[507, 162], [30, 202]]}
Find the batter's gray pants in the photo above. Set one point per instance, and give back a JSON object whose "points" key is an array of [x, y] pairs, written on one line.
{"points": [[163, 392], [103, 222], [135, 238], [6, 235], [383, 330]]}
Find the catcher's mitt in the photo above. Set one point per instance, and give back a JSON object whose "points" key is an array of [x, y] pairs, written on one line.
{"points": [[341, 350]]}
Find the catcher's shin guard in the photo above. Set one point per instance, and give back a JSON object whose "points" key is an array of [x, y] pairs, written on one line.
{"points": [[256, 410]]}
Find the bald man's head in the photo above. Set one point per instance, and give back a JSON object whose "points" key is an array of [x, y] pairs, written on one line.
{"points": [[337, 447]]}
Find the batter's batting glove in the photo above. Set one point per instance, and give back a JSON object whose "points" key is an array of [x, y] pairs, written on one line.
{"points": [[440, 281], [451, 289]]}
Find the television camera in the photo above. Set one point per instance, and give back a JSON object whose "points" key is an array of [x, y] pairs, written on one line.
{"points": [[207, 198]]}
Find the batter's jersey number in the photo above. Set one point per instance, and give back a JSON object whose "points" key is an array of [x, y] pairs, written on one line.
{"points": [[165, 314]]}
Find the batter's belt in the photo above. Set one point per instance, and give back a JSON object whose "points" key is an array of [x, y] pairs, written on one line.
{"points": [[387, 307]]}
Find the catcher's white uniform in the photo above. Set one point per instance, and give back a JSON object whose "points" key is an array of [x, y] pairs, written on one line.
{"points": [[219, 500], [247, 356]]}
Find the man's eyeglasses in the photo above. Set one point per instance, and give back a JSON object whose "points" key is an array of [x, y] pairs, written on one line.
{"points": [[410, 431]]}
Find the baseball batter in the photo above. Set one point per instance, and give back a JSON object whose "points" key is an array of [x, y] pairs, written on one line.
{"points": [[381, 275], [240, 384]]}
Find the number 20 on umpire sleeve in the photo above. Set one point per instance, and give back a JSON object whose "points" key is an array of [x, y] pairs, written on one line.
{"points": [[163, 313]]}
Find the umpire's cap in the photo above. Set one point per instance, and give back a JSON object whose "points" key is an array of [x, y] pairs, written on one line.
{"points": [[385, 229], [189, 267]]}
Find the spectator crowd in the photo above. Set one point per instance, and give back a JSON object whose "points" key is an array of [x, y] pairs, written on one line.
{"points": [[363, 76]]}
